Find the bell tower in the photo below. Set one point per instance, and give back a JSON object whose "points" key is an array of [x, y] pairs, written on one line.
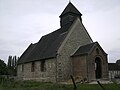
{"points": [[69, 14]]}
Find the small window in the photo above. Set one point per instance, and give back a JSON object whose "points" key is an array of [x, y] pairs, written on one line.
{"points": [[43, 66], [33, 67]]}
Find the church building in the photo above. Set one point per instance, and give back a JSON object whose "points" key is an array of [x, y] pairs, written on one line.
{"points": [[64, 52]]}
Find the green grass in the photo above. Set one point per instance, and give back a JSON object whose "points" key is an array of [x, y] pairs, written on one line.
{"points": [[97, 87], [31, 85]]}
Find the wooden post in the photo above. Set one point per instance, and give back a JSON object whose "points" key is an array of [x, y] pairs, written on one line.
{"points": [[75, 87], [100, 85]]}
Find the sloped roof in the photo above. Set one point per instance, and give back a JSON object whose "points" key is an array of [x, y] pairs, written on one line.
{"points": [[84, 49], [46, 47], [113, 67], [49, 44], [70, 8], [26, 53]]}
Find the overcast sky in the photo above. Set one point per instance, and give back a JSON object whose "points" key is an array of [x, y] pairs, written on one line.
{"points": [[24, 21]]}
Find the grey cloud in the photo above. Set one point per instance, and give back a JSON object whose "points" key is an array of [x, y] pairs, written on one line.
{"points": [[98, 5], [114, 54], [23, 7], [119, 39], [24, 21]]}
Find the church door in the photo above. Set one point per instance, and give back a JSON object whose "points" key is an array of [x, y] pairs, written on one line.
{"points": [[98, 70]]}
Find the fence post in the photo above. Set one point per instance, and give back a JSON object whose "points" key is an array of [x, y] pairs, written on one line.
{"points": [[75, 87], [100, 85]]}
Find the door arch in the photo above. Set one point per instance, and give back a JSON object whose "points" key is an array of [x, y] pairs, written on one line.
{"points": [[98, 69]]}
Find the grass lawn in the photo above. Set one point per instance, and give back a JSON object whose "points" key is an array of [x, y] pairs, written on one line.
{"points": [[30, 85]]}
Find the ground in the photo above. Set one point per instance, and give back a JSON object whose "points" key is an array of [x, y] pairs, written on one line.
{"points": [[31, 85]]}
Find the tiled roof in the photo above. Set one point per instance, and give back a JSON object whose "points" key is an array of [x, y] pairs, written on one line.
{"points": [[46, 48], [49, 44], [26, 54], [84, 49]]}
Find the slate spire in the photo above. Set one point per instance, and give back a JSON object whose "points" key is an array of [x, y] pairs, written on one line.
{"points": [[69, 15]]}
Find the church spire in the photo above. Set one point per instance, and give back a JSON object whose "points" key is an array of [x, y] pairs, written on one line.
{"points": [[70, 8], [69, 14]]}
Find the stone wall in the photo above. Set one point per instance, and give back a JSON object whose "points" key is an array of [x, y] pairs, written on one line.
{"points": [[79, 67], [19, 72], [76, 37], [91, 63], [48, 75], [84, 65]]}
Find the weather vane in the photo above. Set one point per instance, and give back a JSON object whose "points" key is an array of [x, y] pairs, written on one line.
{"points": [[69, 0]]}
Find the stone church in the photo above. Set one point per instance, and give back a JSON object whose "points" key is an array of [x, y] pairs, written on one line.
{"points": [[64, 52]]}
